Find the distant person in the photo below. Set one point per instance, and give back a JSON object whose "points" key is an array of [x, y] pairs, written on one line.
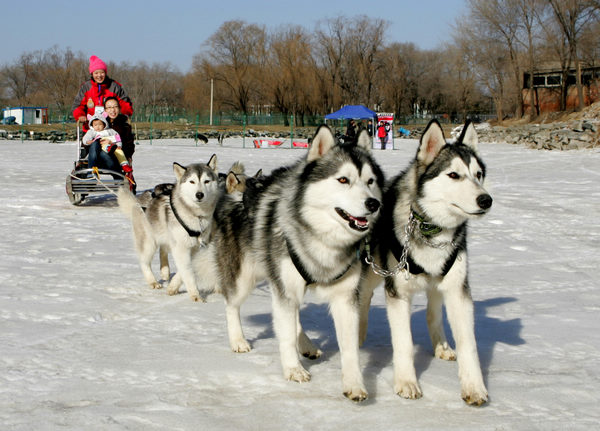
{"points": [[92, 94], [370, 127], [382, 133], [351, 131]]}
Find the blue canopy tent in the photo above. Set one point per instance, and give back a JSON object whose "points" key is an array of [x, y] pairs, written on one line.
{"points": [[354, 112]]}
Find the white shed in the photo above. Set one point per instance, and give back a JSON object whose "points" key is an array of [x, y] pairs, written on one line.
{"points": [[27, 114]]}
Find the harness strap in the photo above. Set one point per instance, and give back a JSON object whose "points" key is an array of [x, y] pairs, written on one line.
{"points": [[304, 272], [191, 232]]}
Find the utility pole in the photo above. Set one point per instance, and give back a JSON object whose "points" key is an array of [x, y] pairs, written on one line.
{"points": [[211, 100]]}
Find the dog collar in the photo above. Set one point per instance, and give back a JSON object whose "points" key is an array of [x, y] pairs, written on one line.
{"points": [[426, 229], [191, 232]]}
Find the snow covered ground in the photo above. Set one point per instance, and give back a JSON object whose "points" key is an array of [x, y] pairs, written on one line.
{"points": [[86, 345]]}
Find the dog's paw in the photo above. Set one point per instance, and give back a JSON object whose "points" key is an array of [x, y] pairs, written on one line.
{"points": [[475, 396], [409, 390], [307, 348], [312, 354], [357, 393], [240, 346], [198, 298], [173, 291], [156, 285], [297, 374], [445, 352]]}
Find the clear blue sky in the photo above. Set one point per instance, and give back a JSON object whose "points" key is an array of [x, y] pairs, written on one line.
{"points": [[175, 30]]}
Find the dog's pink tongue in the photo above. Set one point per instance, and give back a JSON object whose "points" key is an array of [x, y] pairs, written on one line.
{"points": [[360, 221]]}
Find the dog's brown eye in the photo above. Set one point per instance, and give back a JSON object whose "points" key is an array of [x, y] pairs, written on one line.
{"points": [[192, 182], [343, 180], [454, 175], [479, 175], [370, 182], [207, 182]]}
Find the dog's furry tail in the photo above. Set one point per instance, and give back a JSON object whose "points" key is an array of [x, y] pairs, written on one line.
{"points": [[128, 203]]}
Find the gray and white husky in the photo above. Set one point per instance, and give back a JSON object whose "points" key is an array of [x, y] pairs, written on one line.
{"points": [[178, 221], [421, 243], [310, 222]]}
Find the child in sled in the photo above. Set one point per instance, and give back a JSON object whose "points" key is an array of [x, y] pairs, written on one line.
{"points": [[100, 137]]}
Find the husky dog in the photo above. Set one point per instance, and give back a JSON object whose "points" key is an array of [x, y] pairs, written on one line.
{"points": [[228, 266], [177, 219], [421, 241], [309, 223]]}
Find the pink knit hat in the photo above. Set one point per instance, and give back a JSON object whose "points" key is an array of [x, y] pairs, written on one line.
{"points": [[96, 64]]}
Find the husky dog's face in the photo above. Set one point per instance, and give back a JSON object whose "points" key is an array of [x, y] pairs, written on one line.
{"points": [[342, 187], [198, 183], [451, 187]]}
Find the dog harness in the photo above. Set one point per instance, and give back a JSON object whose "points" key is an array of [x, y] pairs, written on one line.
{"points": [[191, 232], [304, 272]]}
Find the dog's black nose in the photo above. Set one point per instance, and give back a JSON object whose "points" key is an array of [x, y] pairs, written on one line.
{"points": [[372, 204], [484, 201], [199, 196]]}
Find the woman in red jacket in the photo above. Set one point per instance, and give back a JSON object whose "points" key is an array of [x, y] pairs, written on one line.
{"points": [[93, 93]]}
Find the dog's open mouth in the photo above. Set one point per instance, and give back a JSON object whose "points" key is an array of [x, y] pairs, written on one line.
{"points": [[356, 223]]}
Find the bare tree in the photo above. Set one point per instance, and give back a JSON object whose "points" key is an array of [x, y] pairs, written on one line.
{"points": [[486, 55], [236, 55], [61, 76], [20, 78], [291, 69], [573, 16], [532, 12], [500, 19]]}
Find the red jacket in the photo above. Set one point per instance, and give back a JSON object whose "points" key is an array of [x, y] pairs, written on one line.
{"points": [[92, 94]]}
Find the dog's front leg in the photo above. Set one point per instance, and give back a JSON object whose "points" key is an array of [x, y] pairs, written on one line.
{"points": [[165, 271], [459, 307], [183, 261], [146, 247], [233, 301], [285, 310], [435, 324], [345, 312], [368, 283], [398, 310], [305, 345]]}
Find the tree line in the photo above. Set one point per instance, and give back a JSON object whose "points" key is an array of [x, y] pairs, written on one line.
{"points": [[306, 72]]}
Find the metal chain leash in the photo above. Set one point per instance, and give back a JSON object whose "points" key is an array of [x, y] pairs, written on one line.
{"points": [[409, 231], [403, 262]]}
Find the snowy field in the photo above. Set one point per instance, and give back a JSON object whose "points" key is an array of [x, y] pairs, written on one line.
{"points": [[86, 345]]}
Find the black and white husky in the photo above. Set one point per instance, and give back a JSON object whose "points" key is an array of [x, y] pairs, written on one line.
{"points": [[421, 243], [178, 221], [309, 225]]}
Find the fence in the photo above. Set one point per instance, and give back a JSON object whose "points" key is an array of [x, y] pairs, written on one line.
{"points": [[238, 119]]}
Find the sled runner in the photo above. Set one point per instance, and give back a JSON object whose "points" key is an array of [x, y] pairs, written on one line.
{"points": [[83, 181]]}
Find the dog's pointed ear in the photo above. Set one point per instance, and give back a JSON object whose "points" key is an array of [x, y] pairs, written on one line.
{"points": [[237, 168], [212, 163], [468, 136], [431, 143], [322, 142], [179, 170], [364, 140], [258, 173], [231, 182]]}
